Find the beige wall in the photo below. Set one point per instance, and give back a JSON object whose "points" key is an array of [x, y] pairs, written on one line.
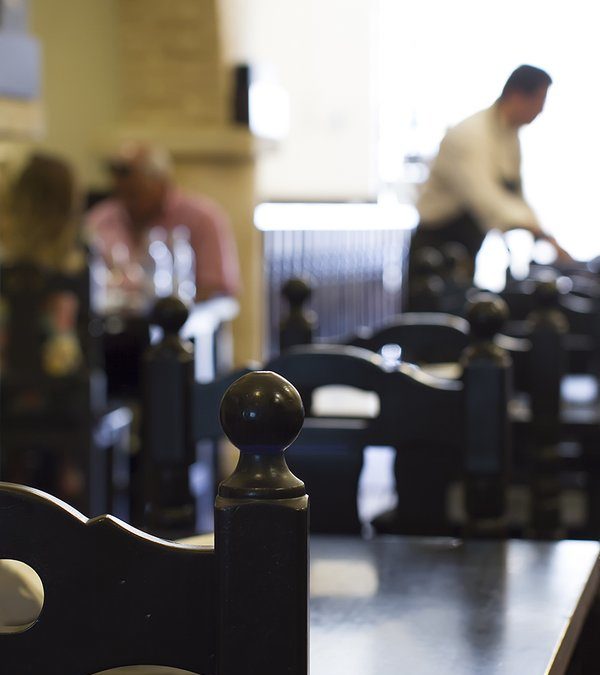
{"points": [[80, 68], [322, 51]]}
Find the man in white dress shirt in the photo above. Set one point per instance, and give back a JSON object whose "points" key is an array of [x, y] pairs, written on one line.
{"points": [[475, 181]]}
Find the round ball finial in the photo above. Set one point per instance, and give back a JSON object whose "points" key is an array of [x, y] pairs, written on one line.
{"points": [[427, 260], [455, 255], [296, 291], [170, 314], [486, 314], [262, 413], [547, 290]]}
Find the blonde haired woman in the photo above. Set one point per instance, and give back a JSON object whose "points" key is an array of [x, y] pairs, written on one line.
{"points": [[43, 298], [39, 229]]}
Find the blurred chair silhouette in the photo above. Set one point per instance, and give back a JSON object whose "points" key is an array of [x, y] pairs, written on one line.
{"points": [[57, 432], [299, 326], [180, 428], [52, 400], [424, 337], [330, 449]]}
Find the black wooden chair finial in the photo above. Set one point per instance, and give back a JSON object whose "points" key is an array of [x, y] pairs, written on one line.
{"points": [[427, 284], [296, 291], [456, 257], [114, 596], [486, 314], [170, 314], [487, 448], [549, 327], [261, 533], [166, 506], [262, 414], [299, 326], [428, 260]]}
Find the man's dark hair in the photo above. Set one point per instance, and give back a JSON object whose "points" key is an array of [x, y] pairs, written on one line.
{"points": [[526, 80]]}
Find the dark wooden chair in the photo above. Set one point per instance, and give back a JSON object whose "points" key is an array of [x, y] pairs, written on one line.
{"points": [[331, 449], [541, 359], [53, 420], [579, 308], [424, 337], [180, 428], [439, 280], [114, 596], [299, 326], [539, 365]]}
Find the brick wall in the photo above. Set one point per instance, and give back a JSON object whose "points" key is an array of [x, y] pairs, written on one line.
{"points": [[171, 65]]}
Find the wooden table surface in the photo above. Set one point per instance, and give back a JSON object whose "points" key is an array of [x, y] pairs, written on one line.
{"points": [[400, 605], [413, 606]]}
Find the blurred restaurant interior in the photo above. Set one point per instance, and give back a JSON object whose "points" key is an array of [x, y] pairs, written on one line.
{"points": [[195, 190]]}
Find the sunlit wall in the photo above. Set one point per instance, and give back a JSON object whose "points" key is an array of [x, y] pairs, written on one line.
{"points": [[440, 61], [321, 51]]}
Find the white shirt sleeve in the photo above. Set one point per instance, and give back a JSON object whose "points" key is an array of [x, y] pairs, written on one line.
{"points": [[467, 163]]}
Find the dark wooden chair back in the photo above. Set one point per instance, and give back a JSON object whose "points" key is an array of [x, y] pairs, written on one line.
{"points": [[579, 309], [424, 337], [298, 327], [332, 449], [165, 504], [113, 596], [425, 418], [25, 290], [178, 414], [487, 378], [45, 411]]}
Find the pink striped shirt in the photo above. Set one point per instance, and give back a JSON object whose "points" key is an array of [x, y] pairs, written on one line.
{"points": [[211, 237]]}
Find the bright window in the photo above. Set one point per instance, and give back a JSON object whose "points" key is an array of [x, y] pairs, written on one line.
{"points": [[440, 61]]}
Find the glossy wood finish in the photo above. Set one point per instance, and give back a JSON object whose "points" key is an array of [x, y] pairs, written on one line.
{"points": [[261, 534], [487, 370], [114, 596], [423, 606], [330, 452], [167, 507], [430, 606]]}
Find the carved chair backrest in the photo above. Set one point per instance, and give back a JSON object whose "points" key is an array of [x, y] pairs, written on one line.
{"points": [[46, 417], [330, 451], [45, 339], [425, 337], [114, 596]]}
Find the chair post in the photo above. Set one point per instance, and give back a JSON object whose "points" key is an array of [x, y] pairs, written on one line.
{"points": [[487, 382], [548, 325], [261, 534], [168, 448], [548, 365], [299, 326], [426, 286]]}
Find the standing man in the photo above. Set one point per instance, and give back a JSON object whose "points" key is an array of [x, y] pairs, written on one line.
{"points": [[475, 180], [145, 198]]}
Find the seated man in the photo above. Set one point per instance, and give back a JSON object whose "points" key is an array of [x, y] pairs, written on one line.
{"points": [[145, 200]]}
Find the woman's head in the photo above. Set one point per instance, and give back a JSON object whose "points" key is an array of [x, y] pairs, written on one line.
{"points": [[41, 212]]}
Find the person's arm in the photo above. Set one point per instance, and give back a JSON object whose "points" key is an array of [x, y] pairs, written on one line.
{"points": [[217, 266], [471, 173], [562, 255]]}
